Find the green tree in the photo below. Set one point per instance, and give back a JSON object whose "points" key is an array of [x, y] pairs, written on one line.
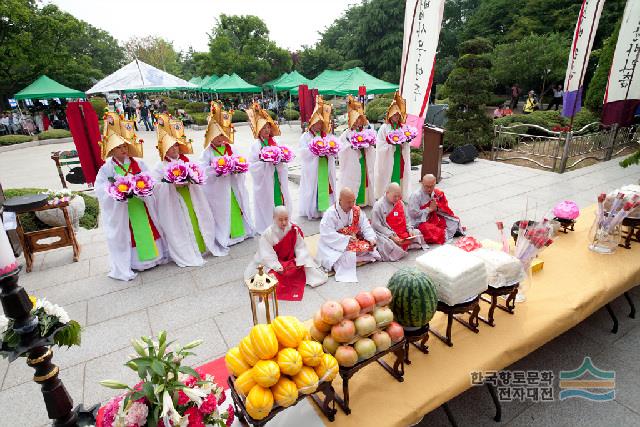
{"points": [[597, 86], [535, 61], [312, 61], [154, 51], [469, 88]]}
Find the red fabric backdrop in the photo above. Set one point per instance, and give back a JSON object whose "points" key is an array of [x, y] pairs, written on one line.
{"points": [[83, 124]]}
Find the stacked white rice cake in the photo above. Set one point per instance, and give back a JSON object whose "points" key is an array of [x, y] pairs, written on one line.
{"points": [[457, 275], [502, 269]]}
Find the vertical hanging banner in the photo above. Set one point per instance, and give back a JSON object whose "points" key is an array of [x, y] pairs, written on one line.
{"points": [[622, 96], [585, 32], [422, 23]]}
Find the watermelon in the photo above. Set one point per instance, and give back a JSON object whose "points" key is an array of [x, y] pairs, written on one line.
{"points": [[414, 298]]}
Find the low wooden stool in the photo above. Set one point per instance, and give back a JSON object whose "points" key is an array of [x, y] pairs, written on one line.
{"points": [[30, 241], [472, 307], [509, 306], [412, 337], [566, 224], [633, 231]]}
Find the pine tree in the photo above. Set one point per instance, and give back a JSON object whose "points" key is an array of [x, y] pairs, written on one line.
{"points": [[469, 89]]}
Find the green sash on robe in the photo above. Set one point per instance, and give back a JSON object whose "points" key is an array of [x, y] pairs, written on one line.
{"points": [[186, 196], [237, 224], [277, 191], [362, 191], [323, 184], [140, 225], [397, 159]]}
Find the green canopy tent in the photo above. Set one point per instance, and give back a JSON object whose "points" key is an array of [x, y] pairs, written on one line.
{"points": [[271, 83], [46, 88], [347, 82], [207, 80], [232, 84], [293, 80], [207, 86], [196, 80]]}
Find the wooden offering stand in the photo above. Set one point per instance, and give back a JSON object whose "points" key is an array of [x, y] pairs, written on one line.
{"points": [[633, 231], [509, 306], [565, 224], [30, 241], [412, 337], [326, 405], [472, 307], [396, 372]]}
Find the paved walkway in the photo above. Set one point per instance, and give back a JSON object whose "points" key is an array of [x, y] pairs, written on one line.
{"points": [[211, 302]]}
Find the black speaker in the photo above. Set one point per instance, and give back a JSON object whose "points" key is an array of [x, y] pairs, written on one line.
{"points": [[464, 154]]}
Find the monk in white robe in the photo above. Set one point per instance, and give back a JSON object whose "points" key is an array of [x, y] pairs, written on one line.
{"points": [[186, 220], [283, 251], [430, 213], [346, 238], [270, 180], [390, 220], [227, 195], [131, 226], [357, 165], [318, 178], [393, 161]]}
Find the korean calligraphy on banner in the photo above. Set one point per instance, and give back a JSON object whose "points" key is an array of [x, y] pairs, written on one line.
{"points": [[585, 32], [422, 23], [622, 96]]}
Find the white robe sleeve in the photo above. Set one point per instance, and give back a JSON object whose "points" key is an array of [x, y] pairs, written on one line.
{"points": [[332, 244], [416, 215], [366, 229], [379, 220], [308, 202]]}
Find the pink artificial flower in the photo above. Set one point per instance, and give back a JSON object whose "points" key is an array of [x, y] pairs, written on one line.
{"points": [[196, 173], [121, 188], [286, 155], [143, 184], [271, 154], [396, 137], [223, 165], [566, 210], [176, 172], [318, 146], [230, 416], [195, 417], [241, 164], [333, 145], [136, 415], [409, 132], [209, 404]]}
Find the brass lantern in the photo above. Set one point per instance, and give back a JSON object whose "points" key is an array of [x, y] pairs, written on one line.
{"points": [[263, 287]]}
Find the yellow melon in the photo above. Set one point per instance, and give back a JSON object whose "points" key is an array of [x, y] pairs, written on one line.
{"points": [[287, 330], [311, 352], [266, 373], [289, 361], [259, 402], [245, 382], [306, 380], [247, 351], [235, 362], [285, 392], [328, 368], [264, 341]]}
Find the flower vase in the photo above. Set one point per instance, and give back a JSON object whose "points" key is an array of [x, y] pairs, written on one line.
{"points": [[604, 240], [525, 283]]}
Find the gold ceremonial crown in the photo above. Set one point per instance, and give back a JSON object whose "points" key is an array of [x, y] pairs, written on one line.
{"points": [[169, 132], [354, 110], [219, 123], [117, 131], [321, 112], [398, 105], [258, 118]]}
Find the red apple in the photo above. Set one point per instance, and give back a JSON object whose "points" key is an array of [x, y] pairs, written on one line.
{"points": [[319, 323], [383, 316], [365, 325], [344, 331], [365, 347], [316, 334], [382, 295], [395, 331], [366, 301], [347, 356], [382, 340], [350, 307], [330, 345], [331, 312]]}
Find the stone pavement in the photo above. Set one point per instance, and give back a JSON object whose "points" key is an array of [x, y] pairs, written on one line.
{"points": [[211, 302]]}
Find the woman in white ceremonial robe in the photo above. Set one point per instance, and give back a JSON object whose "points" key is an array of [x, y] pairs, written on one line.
{"points": [[393, 161], [313, 201], [119, 148], [357, 163], [185, 217]]}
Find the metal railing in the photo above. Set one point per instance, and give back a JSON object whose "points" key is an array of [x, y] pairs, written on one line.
{"points": [[562, 149]]}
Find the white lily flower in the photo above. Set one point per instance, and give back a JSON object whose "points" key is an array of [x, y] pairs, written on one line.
{"points": [[169, 413], [195, 395]]}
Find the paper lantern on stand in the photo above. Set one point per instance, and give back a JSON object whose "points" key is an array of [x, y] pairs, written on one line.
{"points": [[262, 286]]}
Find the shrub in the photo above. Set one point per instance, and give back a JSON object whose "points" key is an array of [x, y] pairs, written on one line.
{"points": [[291, 106], [583, 118], [14, 139], [30, 222], [416, 157], [506, 141], [175, 104], [200, 118], [291, 115], [99, 104], [54, 134], [195, 107], [273, 115], [239, 116], [549, 119]]}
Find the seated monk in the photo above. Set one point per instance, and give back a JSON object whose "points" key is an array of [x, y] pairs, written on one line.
{"points": [[346, 238], [393, 229], [430, 213], [282, 249]]}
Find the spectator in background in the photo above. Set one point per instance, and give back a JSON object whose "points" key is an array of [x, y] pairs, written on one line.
{"points": [[515, 95], [145, 117], [502, 111], [4, 121], [558, 93], [119, 106], [531, 104]]}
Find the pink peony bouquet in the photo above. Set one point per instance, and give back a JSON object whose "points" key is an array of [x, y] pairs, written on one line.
{"points": [[271, 154], [143, 184], [223, 165], [286, 155], [396, 137], [196, 173], [409, 132], [169, 394], [179, 172], [363, 139], [241, 165], [333, 145], [327, 146], [121, 188]]}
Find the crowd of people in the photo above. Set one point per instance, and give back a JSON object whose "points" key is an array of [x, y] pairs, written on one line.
{"points": [[184, 222], [532, 102], [34, 120]]}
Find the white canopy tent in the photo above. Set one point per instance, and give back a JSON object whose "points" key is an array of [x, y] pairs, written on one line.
{"points": [[138, 76]]}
